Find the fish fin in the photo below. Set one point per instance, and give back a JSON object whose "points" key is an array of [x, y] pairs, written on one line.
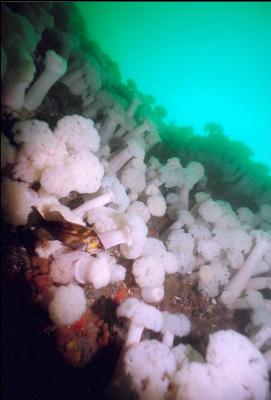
{"points": [[35, 218], [68, 250], [55, 216]]}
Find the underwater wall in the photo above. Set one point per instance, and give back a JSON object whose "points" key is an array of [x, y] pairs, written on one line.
{"points": [[215, 61], [136, 234]]}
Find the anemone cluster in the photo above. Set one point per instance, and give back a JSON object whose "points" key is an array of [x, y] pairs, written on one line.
{"points": [[162, 210]]}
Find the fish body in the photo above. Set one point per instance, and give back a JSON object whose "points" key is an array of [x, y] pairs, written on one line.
{"points": [[76, 236]]}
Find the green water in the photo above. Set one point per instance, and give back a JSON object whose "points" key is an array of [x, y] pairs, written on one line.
{"points": [[203, 61]]}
